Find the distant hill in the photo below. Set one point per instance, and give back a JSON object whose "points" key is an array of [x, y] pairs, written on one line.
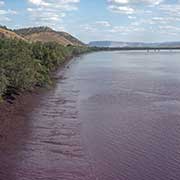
{"points": [[7, 33], [46, 34], [112, 44]]}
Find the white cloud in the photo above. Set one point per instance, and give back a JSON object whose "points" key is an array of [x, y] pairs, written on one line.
{"points": [[150, 2], [122, 9], [150, 21], [131, 6], [103, 23], [49, 12], [96, 26], [170, 9], [119, 1], [39, 2], [2, 3], [63, 5], [131, 17], [5, 13]]}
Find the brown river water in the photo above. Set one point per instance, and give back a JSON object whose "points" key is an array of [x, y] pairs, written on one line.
{"points": [[112, 116]]}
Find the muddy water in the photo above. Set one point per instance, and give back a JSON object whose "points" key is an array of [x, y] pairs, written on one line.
{"points": [[112, 116]]}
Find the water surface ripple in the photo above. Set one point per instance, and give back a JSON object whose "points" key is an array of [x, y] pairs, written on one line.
{"points": [[113, 116]]}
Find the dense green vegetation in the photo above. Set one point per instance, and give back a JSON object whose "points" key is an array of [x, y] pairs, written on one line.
{"points": [[25, 65]]}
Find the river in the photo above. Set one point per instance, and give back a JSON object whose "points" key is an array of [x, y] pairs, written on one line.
{"points": [[111, 116]]}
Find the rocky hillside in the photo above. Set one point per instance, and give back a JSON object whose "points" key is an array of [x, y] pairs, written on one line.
{"points": [[6, 33], [46, 34]]}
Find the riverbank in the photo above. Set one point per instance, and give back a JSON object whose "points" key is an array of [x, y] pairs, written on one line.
{"points": [[13, 116], [21, 86], [46, 129], [27, 65]]}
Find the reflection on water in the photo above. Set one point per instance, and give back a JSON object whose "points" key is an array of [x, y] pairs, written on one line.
{"points": [[113, 116]]}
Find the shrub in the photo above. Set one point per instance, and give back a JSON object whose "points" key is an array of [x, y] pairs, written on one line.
{"points": [[24, 65]]}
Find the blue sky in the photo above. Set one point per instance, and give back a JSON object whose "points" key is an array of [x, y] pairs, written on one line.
{"points": [[122, 20]]}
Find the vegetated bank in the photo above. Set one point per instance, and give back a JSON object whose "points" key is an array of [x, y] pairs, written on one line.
{"points": [[25, 65]]}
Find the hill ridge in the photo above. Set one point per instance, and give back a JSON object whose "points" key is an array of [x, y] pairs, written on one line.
{"points": [[8, 33], [47, 34]]}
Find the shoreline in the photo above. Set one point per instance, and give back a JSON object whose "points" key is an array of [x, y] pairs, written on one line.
{"points": [[13, 116]]}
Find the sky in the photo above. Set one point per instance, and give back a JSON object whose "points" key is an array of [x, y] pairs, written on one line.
{"points": [[92, 20]]}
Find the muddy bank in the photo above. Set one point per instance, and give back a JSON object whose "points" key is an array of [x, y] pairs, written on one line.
{"points": [[46, 142], [13, 115]]}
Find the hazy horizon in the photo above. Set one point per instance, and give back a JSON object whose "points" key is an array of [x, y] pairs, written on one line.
{"points": [[115, 20]]}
